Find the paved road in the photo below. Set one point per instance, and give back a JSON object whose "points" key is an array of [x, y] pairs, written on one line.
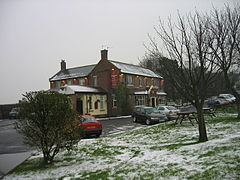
{"points": [[13, 151], [113, 126], [10, 140]]}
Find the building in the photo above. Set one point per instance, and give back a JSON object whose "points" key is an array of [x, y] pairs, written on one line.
{"points": [[144, 86]]}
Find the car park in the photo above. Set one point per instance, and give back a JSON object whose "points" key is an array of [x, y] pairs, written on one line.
{"points": [[170, 111], [147, 115], [89, 126]]}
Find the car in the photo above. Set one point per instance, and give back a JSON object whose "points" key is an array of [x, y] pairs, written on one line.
{"points": [[228, 97], [13, 114], [147, 115], [170, 111], [89, 126], [215, 101]]}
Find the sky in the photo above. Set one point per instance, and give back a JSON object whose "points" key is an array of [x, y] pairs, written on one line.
{"points": [[36, 34]]}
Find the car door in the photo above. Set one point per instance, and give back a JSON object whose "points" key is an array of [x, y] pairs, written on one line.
{"points": [[143, 114]]}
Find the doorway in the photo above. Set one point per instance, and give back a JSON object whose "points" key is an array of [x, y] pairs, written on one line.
{"points": [[80, 106], [153, 101]]}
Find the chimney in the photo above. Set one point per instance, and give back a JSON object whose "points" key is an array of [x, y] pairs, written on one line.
{"points": [[104, 54], [63, 65]]}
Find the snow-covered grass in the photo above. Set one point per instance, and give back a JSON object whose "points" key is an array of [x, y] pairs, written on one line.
{"points": [[162, 151]]}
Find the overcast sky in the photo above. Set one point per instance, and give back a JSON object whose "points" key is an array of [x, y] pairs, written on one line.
{"points": [[36, 34]]}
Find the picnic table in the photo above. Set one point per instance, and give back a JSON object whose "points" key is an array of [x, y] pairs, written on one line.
{"points": [[191, 115], [186, 115], [209, 111]]}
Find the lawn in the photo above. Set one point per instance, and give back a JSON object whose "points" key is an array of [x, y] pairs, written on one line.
{"points": [[161, 151]]}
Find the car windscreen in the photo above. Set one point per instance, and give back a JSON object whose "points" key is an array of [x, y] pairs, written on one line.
{"points": [[88, 119], [149, 110]]}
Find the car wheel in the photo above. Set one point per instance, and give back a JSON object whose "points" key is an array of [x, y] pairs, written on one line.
{"points": [[134, 119], [148, 122]]}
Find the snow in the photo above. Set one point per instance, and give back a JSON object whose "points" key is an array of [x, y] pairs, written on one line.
{"points": [[133, 69], [72, 89], [162, 150]]}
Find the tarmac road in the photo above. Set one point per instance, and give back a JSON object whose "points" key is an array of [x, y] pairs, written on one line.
{"points": [[13, 151]]}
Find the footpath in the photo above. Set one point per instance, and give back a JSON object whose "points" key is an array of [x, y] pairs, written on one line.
{"points": [[9, 161]]}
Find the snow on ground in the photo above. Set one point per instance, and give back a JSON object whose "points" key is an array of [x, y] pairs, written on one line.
{"points": [[155, 152]]}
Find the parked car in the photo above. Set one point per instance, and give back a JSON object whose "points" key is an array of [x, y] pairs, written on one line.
{"points": [[147, 115], [216, 101], [170, 111], [89, 126], [228, 97], [13, 114]]}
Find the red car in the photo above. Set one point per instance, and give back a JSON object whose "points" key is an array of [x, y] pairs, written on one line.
{"points": [[90, 126]]}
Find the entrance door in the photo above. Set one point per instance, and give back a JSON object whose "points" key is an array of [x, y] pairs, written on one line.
{"points": [[79, 106], [153, 101]]}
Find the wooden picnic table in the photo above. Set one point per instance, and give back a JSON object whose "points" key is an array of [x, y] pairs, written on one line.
{"points": [[186, 115], [209, 111]]}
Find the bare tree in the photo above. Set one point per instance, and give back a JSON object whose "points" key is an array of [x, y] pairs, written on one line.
{"points": [[225, 27], [187, 43]]}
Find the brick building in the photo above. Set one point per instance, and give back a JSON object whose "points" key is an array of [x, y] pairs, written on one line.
{"points": [[144, 86]]}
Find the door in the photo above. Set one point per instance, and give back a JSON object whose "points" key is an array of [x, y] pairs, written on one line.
{"points": [[153, 101], [79, 106]]}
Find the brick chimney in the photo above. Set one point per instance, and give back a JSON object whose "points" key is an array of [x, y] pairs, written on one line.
{"points": [[63, 65], [104, 54]]}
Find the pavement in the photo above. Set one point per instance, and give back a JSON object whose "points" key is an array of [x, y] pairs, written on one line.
{"points": [[9, 161]]}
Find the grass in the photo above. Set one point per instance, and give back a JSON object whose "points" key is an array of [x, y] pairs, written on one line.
{"points": [[160, 151]]}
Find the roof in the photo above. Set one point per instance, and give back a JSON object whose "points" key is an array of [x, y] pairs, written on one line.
{"points": [[134, 69], [70, 73], [72, 89]]}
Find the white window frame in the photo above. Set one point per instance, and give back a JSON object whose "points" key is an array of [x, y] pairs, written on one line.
{"points": [[69, 82], [95, 81], [101, 102], [140, 100], [81, 81], [140, 81], [129, 80], [58, 84], [114, 101]]}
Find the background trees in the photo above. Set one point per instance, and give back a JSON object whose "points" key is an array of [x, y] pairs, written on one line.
{"points": [[203, 46], [187, 45], [225, 28], [47, 122]]}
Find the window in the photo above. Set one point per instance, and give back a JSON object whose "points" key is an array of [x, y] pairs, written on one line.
{"points": [[101, 102], [140, 100], [95, 81], [58, 84], [90, 102], [82, 82], [129, 80], [69, 82], [114, 101], [140, 81]]}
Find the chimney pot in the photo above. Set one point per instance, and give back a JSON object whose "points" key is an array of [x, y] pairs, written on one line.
{"points": [[63, 65], [104, 54]]}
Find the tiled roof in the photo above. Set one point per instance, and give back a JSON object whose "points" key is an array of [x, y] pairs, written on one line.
{"points": [[73, 73], [134, 69]]}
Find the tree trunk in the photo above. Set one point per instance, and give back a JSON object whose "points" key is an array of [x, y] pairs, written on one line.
{"points": [[201, 125]]}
